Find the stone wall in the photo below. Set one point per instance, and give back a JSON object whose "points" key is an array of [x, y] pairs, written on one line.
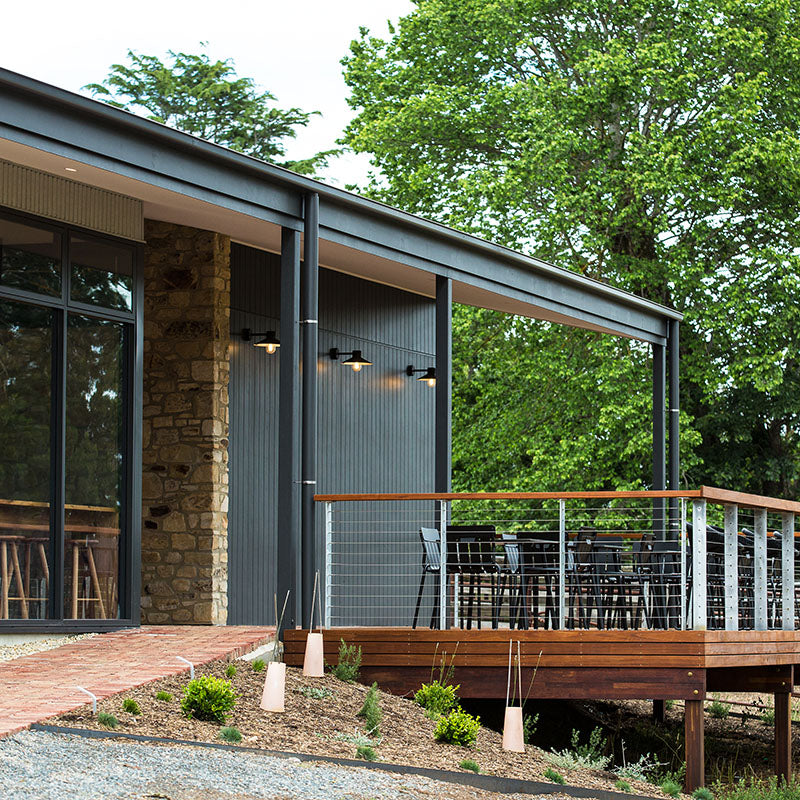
{"points": [[185, 436]]}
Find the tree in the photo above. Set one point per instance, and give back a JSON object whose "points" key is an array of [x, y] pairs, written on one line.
{"points": [[207, 99], [651, 144]]}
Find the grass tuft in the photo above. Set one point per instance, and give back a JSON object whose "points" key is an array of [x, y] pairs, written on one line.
{"points": [[471, 765], [131, 706], [230, 734], [108, 720]]}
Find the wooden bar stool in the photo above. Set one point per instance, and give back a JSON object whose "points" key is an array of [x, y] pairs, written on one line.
{"points": [[9, 546], [88, 544]]}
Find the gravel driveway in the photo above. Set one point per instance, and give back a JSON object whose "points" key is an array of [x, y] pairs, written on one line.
{"points": [[36, 764]]}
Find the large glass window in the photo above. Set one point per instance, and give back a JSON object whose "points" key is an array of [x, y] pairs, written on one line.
{"points": [[66, 372], [101, 273], [95, 466], [26, 336], [30, 258]]}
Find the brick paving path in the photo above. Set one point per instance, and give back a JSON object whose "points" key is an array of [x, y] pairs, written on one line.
{"points": [[42, 685]]}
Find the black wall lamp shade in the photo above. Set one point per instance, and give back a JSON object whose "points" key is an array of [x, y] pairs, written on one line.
{"points": [[356, 360], [268, 340], [429, 374]]}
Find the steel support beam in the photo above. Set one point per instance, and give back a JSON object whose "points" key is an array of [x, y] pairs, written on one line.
{"points": [[444, 380], [760, 568], [309, 312], [674, 457], [659, 436], [289, 541]]}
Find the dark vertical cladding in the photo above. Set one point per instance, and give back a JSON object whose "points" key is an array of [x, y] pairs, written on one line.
{"points": [[253, 449], [375, 427]]}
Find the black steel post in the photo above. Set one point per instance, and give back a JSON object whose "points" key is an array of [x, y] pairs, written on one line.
{"points": [[289, 542], [309, 305], [659, 435], [444, 379], [674, 425]]}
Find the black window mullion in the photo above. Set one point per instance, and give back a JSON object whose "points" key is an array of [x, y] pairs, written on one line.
{"points": [[57, 472]]}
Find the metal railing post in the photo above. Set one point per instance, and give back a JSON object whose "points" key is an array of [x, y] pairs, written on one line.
{"points": [[443, 611], [684, 577], [699, 587], [731, 568], [328, 561], [562, 564], [760, 567], [787, 572]]}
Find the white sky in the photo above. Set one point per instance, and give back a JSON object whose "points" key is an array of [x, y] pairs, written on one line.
{"points": [[290, 47]]}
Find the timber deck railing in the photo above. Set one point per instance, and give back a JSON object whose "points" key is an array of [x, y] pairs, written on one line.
{"points": [[698, 559]]}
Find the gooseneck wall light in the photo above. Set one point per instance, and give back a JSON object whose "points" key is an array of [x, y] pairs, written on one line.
{"points": [[356, 360], [429, 374], [267, 340]]}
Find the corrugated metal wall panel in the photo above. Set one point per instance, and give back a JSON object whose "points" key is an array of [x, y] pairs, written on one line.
{"points": [[376, 427], [54, 197]]}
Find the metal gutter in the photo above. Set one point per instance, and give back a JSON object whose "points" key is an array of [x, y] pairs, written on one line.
{"points": [[284, 188]]}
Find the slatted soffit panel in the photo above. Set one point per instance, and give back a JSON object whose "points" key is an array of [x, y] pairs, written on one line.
{"points": [[46, 195]]}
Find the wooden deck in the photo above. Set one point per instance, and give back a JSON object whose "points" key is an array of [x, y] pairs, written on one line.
{"points": [[585, 665]]}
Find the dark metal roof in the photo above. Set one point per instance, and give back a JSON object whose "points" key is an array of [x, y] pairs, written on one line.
{"points": [[64, 123]]}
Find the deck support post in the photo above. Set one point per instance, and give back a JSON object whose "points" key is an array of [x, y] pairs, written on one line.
{"points": [[444, 379], [783, 734], [760, 568], [674, 427], [289, 542], [787, 572], [309, 312], [695, 745], [659, 711], [659, 437], [731, 558]]}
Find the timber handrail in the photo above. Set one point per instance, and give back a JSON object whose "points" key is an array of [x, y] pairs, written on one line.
{"points": [[709, 493]]}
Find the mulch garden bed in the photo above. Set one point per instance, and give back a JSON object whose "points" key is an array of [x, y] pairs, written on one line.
{"points": [[320, 726]]}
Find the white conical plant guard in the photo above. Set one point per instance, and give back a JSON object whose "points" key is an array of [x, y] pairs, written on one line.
{"points": [[314, 661], [274, 693], [513, 731]]}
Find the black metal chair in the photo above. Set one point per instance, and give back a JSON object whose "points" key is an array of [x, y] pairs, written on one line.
{"points": [[584, 587], [431, 561], [539, 568], [511, 578], [471, 554]]}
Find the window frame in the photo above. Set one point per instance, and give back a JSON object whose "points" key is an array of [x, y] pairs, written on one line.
{"points": [[130, 539]]}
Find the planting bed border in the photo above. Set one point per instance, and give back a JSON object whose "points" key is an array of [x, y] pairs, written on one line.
{"points": [[490, 783]]}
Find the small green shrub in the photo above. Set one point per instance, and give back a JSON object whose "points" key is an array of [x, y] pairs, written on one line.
{"points": [[588, 756], [702, 794], [259, 665], [458, 727], [165, 696], [315, 693], [108, 720], [670, 788], [555, 777], [669, 704], [349, 663], [230, 671], [208, 698], [230, 734], [768, 716], [366, 753], [371, 711], [131, 706], [623, 786], [529, 724], [641, 770], [718, 709], [469, 764], [437, 699], [759, 789]]}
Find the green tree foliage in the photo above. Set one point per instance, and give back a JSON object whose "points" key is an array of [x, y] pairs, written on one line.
{"points": [[207, 99], [651, 144]]}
